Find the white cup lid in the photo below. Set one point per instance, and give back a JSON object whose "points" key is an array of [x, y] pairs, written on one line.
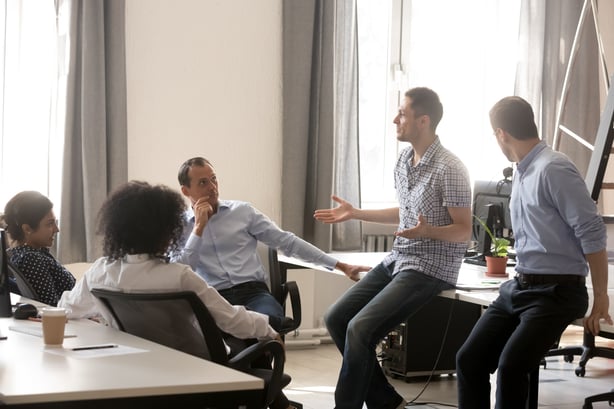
{"points": [[53, 311]]}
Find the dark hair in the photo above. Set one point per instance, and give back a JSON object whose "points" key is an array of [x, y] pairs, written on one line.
{"points": [[27, 207], [425, 101], [515, 116], [184, 179], [139, 218]]}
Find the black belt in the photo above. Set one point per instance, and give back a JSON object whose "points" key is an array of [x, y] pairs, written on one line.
{"points": [[534, 279]]}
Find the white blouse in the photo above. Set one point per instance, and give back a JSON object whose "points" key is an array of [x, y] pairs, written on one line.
{"points": [[142, 273]]}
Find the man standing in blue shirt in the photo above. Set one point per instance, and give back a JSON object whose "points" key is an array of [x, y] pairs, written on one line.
{"points": [[557, 230]]}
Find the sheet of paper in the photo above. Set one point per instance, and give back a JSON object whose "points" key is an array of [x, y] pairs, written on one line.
{"points": [[486, 285], [36, 330]]}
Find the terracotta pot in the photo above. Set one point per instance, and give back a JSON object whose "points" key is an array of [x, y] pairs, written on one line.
{"points": [[495, 266]]}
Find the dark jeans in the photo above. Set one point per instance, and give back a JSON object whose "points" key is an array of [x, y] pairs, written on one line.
{"points": [[512, 337], [255, 296], [361, 318]]}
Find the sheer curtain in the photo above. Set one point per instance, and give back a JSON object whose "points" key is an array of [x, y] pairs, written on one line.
{"points": [[320, 144], [31, 99], [96, 131]]}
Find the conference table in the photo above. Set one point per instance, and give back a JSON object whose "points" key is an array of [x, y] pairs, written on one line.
{"points": [[473, 286], [133, 373]]}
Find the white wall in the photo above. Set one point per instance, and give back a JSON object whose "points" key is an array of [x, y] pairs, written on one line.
{"points": [[204, 79]]}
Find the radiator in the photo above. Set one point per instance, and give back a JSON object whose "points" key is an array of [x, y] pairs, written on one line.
{"points": [[377, 242]]}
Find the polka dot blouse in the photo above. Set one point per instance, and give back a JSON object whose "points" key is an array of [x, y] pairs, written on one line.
{"points": [[46, 276]]}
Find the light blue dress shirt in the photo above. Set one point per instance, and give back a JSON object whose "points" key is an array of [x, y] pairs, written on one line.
{"points": [[554, 219], [226, 254]]}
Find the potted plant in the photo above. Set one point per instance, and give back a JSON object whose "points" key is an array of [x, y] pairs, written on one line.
{"points": [[496, 262]]}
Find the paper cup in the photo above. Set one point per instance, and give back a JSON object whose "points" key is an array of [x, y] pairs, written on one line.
{"points": [[54, 322]]}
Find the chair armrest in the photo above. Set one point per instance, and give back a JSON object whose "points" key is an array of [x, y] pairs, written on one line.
{"points": [[274, 349], [291, 288]]}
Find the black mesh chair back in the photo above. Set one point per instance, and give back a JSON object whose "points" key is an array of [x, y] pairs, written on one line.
{"points": [[178, 320], [23, 285], [181, 321]]}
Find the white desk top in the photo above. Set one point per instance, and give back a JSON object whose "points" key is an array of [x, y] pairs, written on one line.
{"points": [[469, 274], [31, 374]]}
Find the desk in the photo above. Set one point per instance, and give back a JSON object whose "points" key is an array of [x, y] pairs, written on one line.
{"points": [[31, 377], [469, 274]]}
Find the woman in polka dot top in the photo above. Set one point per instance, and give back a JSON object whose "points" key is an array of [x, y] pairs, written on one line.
{"points": [[31, 225]]}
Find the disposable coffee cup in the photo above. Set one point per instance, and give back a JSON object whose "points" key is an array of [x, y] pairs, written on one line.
{"points": [[54, 321]]}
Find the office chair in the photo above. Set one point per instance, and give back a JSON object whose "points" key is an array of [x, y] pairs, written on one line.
{"points": [[586, 351], [281, 289], [602, 397], [181, 321], [23, 285]]}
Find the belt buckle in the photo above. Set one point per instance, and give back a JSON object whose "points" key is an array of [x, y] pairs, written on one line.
{"points": [[523, 280]]}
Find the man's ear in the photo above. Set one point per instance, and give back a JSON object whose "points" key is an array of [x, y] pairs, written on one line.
{"points": [[184, 190], [504, 136]]}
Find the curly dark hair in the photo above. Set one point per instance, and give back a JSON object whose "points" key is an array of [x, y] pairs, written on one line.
{"points": [[27, 207], [139, 218]]}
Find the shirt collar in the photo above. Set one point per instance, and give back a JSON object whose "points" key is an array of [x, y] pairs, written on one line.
{"points": [[136, 258], [430, 152], [526, 161]]}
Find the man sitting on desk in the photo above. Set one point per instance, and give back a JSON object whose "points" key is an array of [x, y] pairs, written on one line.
{"points": [[557, 230], [434, 225]]}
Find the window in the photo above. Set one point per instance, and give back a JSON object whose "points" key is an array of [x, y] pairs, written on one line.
{"points": [[465, 51], [31, 100]]}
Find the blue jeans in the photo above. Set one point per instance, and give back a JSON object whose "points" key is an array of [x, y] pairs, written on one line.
{"points": [[361, 318], [512, 337], [255, 296]]}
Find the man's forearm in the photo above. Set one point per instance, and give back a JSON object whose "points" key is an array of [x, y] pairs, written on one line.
{"points": [[383, 216], [455, 232], [598, 264]]}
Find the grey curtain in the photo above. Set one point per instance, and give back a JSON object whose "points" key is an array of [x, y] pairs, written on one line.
{"points": [[95, 156], [320, 125], [547, 31]]}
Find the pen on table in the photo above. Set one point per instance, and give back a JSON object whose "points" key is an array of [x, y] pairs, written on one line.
{"points": [[94, 347]]}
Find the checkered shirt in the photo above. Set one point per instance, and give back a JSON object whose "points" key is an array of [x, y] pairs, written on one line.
{"points": [[440, 180]]}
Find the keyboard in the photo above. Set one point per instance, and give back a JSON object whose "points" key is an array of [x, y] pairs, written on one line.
{"points": [[475, 261]]}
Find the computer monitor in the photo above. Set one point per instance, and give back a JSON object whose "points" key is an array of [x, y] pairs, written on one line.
{"points": [[5, 293], [491, 205]]}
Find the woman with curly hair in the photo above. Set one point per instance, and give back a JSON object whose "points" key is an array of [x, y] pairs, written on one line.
{"points": [[32, 226], [140, 223]]}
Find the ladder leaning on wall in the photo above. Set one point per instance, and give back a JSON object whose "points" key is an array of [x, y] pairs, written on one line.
{"points": [[602, 149]]}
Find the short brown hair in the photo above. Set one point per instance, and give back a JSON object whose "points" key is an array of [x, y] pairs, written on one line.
{"points": [[425, 101], [515, 116], [183, 177]]}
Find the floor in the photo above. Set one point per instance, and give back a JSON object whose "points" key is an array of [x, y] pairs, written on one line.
{"points": [[314, 373]]}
